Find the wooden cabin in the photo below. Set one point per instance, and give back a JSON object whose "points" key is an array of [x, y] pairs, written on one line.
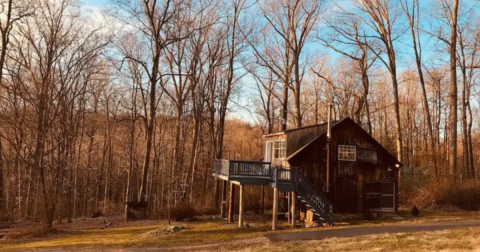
{"points": [[336, 167], [362, 175]]}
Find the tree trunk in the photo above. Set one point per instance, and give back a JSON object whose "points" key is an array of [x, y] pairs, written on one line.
{"points": [[3, 209], [452, 97], [398, 127], [5, 30], [283, 122], [426, 108]]}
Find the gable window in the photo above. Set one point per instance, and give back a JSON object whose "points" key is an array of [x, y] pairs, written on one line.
{"points": [[367, 155], [347, 152], [279, 149]]}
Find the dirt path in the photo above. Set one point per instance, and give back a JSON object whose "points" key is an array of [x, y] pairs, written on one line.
{"points": [[372, 230]]}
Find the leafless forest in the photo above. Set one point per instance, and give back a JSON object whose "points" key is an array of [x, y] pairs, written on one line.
{"points": [[132, 103]]}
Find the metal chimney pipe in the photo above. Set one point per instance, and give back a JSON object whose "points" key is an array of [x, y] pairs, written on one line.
{"points": [[329, 137], [329, 126]]}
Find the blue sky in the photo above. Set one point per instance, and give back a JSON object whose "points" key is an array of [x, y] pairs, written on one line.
{"points": [[97, 3], [242, 105]]}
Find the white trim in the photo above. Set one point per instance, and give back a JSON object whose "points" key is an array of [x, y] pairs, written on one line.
{"points": [[274, 134]]}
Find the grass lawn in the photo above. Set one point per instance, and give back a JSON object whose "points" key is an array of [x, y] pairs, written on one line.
{"points": [[213, 234]]}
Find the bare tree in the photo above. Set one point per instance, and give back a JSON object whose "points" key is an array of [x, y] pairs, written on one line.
{"points": [[467, 51], [53, 56], [349, 39], [154, 19], [453, 96], [380, 17], [266, 86], [13, 12], [412, 11], [286, 34], [449, 15]]}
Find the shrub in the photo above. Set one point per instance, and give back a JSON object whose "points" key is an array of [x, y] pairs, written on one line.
{"points": [[183, 211], [465, 195], [209, 210], [447, 195]]}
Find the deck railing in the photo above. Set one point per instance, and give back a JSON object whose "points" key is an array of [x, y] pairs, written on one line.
{"points": [[250, 168], [241, 168], [286, 174], [221, 166]]}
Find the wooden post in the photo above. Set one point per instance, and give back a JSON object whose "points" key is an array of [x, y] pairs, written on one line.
{"points": [[289, 209], [240, 208], [231, 203], [293, 208], [262, 202], [215, 194], [224, 199], [275, 209]]}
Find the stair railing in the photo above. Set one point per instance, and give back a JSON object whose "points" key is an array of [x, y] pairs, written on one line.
{"points": [[279, 175], [314, 195]]}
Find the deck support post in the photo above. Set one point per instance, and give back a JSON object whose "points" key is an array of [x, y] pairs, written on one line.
{"points": [[289, 209], [275, 209], [231, 203], [293, 206], [262, 202], [240, 208], [224, 199]]}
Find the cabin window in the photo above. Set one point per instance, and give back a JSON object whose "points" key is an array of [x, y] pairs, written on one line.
{"points": [[279, 149], [347, 152], [367, 155]]}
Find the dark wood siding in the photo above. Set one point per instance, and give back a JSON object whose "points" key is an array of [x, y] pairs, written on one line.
{"points": [[347, 178], [297, 138]]}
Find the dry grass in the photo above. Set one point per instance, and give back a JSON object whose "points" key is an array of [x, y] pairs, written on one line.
{"points": [[210, 234], [446, 240]]}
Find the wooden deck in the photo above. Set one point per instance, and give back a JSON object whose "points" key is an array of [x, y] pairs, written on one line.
{"points": [[254, 173], [281, 178]]}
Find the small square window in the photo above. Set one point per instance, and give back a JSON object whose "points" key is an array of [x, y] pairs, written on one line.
{"points": [[347, 152]]}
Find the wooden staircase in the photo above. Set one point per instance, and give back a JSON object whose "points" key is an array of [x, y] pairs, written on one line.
{"points": [[285, 179]]}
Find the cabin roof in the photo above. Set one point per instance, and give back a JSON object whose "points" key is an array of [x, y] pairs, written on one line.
{"points": [[300, 128], [334, 125]]}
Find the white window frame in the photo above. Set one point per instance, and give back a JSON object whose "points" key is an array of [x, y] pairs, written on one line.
{"points": [[281, 157], [349, 148]]}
